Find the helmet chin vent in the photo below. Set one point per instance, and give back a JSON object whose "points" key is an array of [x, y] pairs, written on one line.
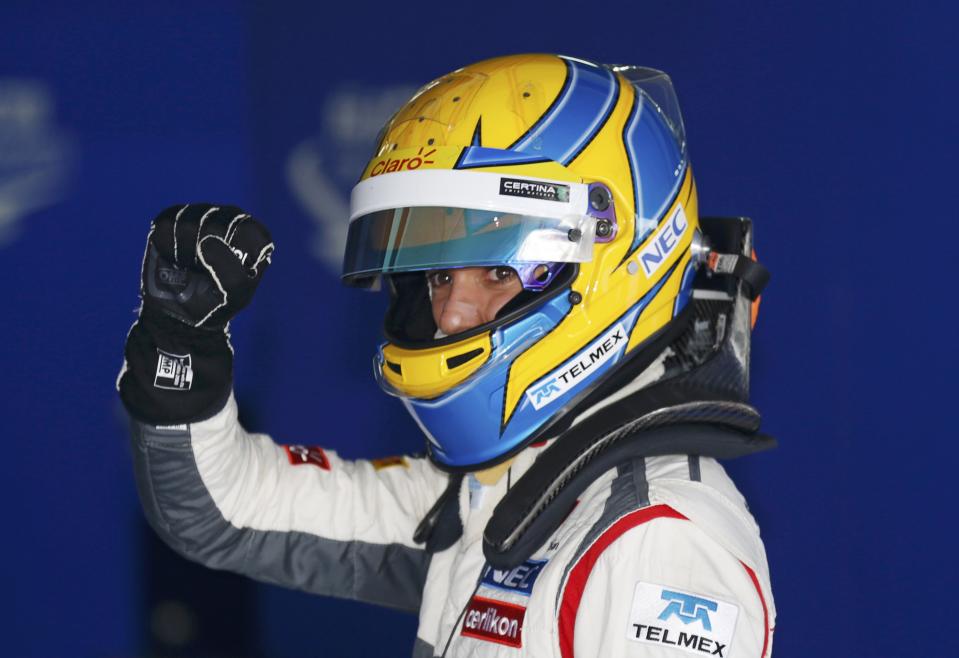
{"points": [[395, 367], [460, 359]]}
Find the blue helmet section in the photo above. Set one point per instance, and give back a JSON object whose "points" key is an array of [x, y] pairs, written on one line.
{"points": [[469, 425], [685, 288], [466, 426], [657, 165]]}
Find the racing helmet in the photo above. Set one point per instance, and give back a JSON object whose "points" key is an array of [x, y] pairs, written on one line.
{"points": [[575, 175]]}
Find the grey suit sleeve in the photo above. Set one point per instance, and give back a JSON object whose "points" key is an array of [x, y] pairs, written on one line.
{"points": [[235, 501]]}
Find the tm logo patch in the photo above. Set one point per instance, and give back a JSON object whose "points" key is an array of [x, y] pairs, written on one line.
{"points": [[174, 371], [688, 608], [578, 369], [698, 625]]}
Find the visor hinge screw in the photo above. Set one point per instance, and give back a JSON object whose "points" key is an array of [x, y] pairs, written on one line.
{"points": [[599, 198], [574, 297], [574, 235], [603, 228]]}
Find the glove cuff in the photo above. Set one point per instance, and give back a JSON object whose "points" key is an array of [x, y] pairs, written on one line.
{"points": [[174, 373]]}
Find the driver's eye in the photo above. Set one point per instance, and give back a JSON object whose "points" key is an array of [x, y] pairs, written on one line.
{"points": [[502, 273], [438, 278]]}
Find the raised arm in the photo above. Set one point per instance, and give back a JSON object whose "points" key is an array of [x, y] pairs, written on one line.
{"points": [[296, 516]]}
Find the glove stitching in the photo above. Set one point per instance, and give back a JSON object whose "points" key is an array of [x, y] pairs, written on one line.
{"points": [[216, 279], [265, 254], [175, 220], [199, 231], [232, 228], [143, 265]]}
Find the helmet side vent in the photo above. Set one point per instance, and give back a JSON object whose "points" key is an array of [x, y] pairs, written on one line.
{"points": [[460, 359]]}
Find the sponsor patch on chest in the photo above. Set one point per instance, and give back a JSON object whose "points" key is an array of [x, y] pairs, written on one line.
{"points": [[494, 621], [666, 616], [518, 579]]}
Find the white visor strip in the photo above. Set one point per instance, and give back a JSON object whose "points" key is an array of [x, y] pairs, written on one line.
{"points": [[504, 193]]}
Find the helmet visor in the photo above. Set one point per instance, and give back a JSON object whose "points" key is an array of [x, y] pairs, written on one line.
{"points": [[438, 237]]}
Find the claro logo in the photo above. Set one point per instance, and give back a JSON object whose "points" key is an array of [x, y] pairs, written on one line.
{"points": [[389, 165]]}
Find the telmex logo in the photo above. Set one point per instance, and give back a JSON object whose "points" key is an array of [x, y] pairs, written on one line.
{"points": [[686, 622], [406, 164], [664, 241], [579, 368], [688, 608]]}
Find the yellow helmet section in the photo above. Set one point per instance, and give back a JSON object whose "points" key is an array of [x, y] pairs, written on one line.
{"points": [[556, 119], [500, 97], [426, 373]]}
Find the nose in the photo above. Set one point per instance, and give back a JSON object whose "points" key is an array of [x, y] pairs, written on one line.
{"points": [[464, 306]]}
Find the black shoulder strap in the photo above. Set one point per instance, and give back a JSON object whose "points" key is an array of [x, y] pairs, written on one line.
{"points": [[442, 526]]}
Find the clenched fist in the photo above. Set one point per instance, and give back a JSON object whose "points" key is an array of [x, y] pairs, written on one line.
{"points": [[203, 263], [201, 266]]}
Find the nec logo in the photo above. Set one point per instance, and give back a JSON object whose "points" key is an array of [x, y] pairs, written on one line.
{"points": [[664, 241], [518, 579], [688, 608]]}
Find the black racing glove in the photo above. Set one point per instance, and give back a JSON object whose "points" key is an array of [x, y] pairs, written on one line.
{"points": [[201, 266]]}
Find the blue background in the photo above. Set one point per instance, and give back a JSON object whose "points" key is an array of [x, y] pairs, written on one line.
{"points": [[831, 124]]}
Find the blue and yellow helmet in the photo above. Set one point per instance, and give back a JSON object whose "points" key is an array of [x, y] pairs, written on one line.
{"points": [[525, 161]]}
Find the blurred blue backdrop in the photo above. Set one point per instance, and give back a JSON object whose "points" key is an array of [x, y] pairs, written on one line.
{"points": [[832, 124]]}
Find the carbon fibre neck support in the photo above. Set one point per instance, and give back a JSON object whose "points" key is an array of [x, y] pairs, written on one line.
{"points": [[537, 504]]}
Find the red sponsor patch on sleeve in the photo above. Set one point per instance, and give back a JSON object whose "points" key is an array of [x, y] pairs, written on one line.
{"points": [[299, 455], [494, 621]]}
